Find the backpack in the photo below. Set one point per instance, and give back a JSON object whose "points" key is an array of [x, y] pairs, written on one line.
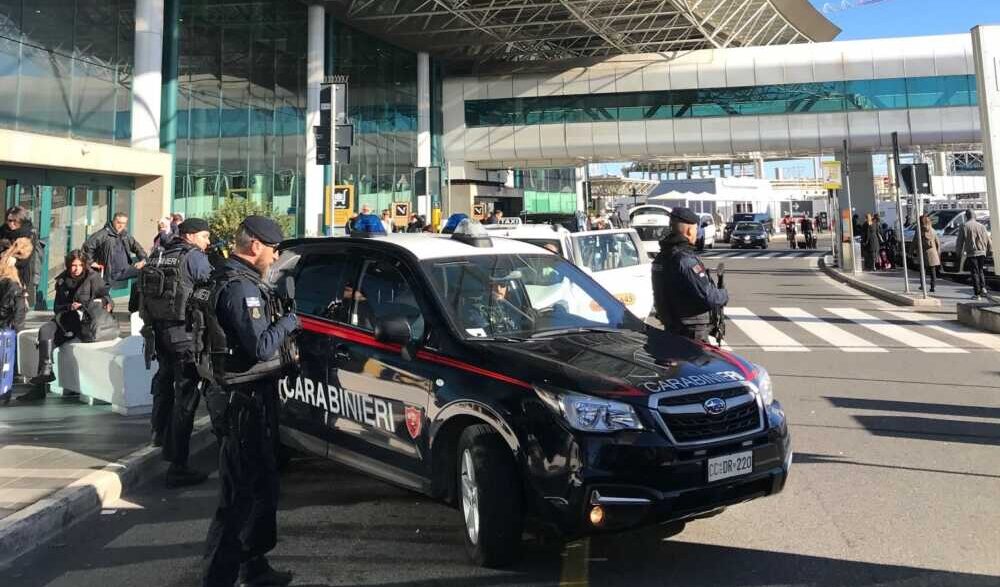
{"points": [[165, 286]]}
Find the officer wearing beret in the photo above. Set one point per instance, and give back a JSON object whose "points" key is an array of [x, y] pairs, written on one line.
{"points": [[683, 292], [254, 328], [165, 285]]}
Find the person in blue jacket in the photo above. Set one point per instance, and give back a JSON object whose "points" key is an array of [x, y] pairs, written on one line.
{"points": [[368, 222]]}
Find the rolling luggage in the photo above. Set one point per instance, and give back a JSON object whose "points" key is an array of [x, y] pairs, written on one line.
{"points": [[8, 352]]}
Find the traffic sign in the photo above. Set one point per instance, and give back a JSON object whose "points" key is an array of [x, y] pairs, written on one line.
{"points": [[832, 179]]}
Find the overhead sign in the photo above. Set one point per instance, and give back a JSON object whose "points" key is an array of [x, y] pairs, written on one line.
{"points": [[832, 178]]}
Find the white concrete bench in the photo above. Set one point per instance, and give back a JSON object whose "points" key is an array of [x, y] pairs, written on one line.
{"points": [[111, 372]]}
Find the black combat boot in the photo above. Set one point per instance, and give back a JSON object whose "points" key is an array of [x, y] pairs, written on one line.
{"points": [[257, 572], [45, 374]]}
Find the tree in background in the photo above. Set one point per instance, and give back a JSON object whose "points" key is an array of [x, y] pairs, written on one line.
{"points": [[233, 210]]}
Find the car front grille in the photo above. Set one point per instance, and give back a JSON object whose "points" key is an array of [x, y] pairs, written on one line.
{"points": [[686, 422]]}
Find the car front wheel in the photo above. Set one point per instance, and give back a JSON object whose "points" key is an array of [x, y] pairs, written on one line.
{"points": [[490, 490]]}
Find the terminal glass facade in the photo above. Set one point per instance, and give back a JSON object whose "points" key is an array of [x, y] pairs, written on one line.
{"points": [[547, 190], [66, 67], [241, 105], [382, 106], [842, 96]]}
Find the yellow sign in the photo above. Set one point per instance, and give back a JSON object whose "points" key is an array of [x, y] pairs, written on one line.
{"points": [[400, 213], [341, 204], [832, 179]]}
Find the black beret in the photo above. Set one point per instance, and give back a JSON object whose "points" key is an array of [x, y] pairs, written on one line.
{"points": [[192, 225], [684, 215], [264, 229]]}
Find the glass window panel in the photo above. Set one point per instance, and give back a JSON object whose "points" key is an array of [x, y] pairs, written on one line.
{"points": [[49, 24], [925, 92], [879, 94], [94, 105], [9, 64], [95, 19], [44, 87]]}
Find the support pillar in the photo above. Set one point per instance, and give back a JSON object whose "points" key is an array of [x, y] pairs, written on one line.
{"points": [[863, 196], [423, 109], [312, 204], [941, 164], [168, 96], [147, 80], [986, 51]]}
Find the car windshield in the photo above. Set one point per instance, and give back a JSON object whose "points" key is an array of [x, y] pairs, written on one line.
{"points": [[652, 233], [748, 227], [743, 218], [522, 296], [941, 218]]}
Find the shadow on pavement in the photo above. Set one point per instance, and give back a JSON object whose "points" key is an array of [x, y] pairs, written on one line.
{"points": [[964, 431], [913, 407]]}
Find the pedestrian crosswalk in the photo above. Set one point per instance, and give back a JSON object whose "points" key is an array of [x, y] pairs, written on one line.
{"points": [[852, 330], [759, 254]]}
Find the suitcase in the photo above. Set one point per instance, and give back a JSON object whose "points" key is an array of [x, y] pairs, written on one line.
{"points": [[8, 354]]}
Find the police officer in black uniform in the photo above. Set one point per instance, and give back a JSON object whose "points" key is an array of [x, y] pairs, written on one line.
{"points": [[165, 286], [249, 322], [684, 294]]}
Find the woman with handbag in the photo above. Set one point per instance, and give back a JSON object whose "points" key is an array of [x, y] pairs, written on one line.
{"points": [[76, 289]]}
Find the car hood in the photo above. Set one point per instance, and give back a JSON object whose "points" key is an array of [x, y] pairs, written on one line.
{"points": [[624, 365]]}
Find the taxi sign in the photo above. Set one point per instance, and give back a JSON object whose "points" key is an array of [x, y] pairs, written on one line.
{"points": [[510, 221]]}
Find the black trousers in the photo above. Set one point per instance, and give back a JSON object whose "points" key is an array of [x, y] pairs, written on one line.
{"points": [[698, 332], [244, 527], [51, 331], [978, 277], [175, 401]]}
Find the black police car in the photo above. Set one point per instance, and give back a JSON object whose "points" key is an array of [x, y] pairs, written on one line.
{"points": [[749, 235], [502, 379]]}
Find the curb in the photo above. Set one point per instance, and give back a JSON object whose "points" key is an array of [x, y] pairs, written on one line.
{"points": [[980, 315], [879, 292], [47, 518]]}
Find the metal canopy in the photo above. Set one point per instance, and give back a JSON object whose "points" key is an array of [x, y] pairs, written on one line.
{"points": [[482, 31]]}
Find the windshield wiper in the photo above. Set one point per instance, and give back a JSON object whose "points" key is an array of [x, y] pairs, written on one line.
{"points": [[575, 330]]}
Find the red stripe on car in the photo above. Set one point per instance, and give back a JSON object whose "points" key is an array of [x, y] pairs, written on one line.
{"points": [[351, 335]]}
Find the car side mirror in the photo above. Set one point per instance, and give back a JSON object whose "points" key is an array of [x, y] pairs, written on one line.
{"points": [[394, 330]]}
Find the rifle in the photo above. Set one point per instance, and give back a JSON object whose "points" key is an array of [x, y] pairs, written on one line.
{"points": [[718, 316]]}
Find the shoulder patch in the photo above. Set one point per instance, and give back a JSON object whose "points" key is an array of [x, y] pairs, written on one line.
{"points": [[253, 302], [698, 268]]}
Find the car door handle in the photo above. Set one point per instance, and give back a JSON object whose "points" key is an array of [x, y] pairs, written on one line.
{"points": [[341, 352]]}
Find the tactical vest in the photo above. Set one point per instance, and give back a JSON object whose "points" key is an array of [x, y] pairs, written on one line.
{"points": [[166, 285], [214, 358]]}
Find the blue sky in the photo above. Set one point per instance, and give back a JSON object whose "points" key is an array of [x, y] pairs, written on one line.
{"points": [[902, 18]]}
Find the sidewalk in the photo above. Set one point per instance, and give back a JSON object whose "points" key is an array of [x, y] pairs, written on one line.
{"points": [[889, 286], [62, 461]]}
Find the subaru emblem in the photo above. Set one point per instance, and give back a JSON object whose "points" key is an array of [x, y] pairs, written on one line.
{"points": [[714, 406]]}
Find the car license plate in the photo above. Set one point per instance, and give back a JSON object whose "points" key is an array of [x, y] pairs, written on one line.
{"points": [[734, 465]]}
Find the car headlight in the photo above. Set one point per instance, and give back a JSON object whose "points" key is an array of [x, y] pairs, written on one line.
{"points": [[591, 414], [764, 386]]}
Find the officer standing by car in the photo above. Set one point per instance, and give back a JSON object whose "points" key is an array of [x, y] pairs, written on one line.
{"points": [[165, 286], [246, 318], [684, 294]]}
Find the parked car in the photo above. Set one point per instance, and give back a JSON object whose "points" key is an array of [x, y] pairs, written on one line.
{"points": [[749, 235], [615, 258], [500, 378], [652, 223], [706, 232], [763, 219]]}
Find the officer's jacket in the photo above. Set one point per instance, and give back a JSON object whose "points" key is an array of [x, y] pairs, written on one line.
{"points": [[245, 312], [682, 287]]}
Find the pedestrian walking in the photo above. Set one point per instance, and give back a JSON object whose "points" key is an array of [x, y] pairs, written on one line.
{"points": [[387, 222], [243, 315], [932, 248], [872, 241], [973, 243]]}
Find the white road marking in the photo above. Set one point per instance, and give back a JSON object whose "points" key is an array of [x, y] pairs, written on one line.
{"points": [[836, 336], [762, 332], [896, 332], [950, 327]]}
